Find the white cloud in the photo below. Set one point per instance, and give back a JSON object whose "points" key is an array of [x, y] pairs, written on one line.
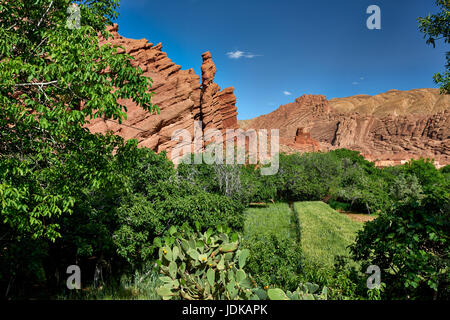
{"points": [[241, 54], [356, 83], [287, 93]]}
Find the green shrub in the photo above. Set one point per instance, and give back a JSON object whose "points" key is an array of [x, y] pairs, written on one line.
{"points": [[445, 170], [206, 209], [243, 183], [256, 187], [274, 260], [344, 279], [141, 220], [410, 243], [337, 205], [406, 188], [305, 291], [203, 266], [426, 173], [351, 158], [309, 176]]}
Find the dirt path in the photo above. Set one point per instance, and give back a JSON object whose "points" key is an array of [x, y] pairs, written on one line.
{"points": [[359, 217]]}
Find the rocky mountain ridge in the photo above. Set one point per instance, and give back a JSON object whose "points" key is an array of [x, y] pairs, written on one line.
{"points": [[181, 95], [384, 138], [388, 128], [394, 102]]}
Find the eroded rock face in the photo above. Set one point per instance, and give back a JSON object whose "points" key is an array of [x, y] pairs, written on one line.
{"points": [[218, 110], [304, 141], [180, 94], [388, 128], [387, 137], [394, 102]]}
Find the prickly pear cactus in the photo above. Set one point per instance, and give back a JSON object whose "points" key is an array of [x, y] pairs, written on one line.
{"points": [[203, 266], [305, 291]]}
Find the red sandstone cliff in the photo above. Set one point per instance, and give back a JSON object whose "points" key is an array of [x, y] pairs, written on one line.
{"points": [[180, 94]]}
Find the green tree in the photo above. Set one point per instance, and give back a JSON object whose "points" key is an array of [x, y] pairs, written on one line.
{"points": [[59, 183], [410, 243], [53, 79], [406, 188], [425, 171], [437, 27]]}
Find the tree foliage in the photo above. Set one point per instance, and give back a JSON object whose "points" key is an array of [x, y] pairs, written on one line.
{"points": [[436, 27], [52, 81], [57, 178], [410, 243]]}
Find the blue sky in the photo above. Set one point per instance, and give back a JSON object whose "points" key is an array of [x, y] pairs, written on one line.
{"points": [[275, 51]]}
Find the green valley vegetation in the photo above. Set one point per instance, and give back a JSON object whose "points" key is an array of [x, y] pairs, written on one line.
{"points": [[139, 228], [271, 234]]}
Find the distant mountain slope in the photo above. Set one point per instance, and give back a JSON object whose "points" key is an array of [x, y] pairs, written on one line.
{"points": [[395, 102], [396, 125]]}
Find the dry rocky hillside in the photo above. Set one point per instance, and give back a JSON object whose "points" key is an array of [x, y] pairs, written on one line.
{"points": [[388, 128], [395, 102]]}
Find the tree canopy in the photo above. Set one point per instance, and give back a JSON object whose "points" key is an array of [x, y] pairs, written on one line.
{"points": [[437, 27], [53, 79]]}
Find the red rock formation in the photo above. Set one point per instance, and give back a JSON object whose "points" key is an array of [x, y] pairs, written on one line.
{"points": [[384, 127], [218, 110], [178, 93], [303, 141], [384, 137]]}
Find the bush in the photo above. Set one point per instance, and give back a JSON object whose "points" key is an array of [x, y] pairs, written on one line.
{"points": [[274, 261], [445, 170], [203, 266], [426, 173], [307, 177], [344, 279], [142, 218], [363, 191], [351, 158], [206, 209], [243, 183], [406, 188], [257, 188], [337, 205], [410, 243]]}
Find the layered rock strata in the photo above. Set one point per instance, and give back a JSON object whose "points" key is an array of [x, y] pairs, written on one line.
{"points": [[385, 137], [180, 94]]}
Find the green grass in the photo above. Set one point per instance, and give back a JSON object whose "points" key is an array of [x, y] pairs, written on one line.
{"points": [[325, 233], [274, 219], [272, 236]]}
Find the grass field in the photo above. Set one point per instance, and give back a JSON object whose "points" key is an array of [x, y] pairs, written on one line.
{"points": [[275, 219], [325, 233]]}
